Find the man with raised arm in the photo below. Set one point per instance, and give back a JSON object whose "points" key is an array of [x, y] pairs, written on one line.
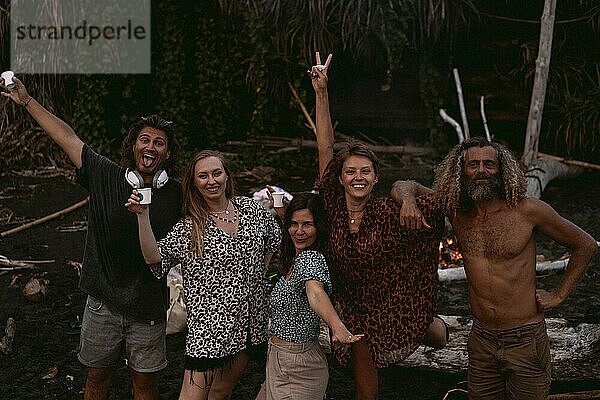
{"points": [[481, 188], [124, 317]]}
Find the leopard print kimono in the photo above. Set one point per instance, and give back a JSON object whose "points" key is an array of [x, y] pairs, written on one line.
{"points": [[224, 290], [384, 276]]}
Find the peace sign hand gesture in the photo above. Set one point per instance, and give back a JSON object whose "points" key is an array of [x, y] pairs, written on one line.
{"points": [[318, 74]]}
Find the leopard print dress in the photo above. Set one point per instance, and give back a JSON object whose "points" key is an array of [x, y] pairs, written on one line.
{"points": [[384, 276], [224, 290]]}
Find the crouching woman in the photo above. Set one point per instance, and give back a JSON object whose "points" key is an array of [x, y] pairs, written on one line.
{"points": [[296, 365]]}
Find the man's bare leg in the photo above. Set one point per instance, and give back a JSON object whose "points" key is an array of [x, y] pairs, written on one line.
{"points": [[366, 382], [145, 385], [98, 382]]}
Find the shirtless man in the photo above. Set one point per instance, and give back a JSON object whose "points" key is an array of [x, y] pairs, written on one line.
{"points": [[481, 188]]}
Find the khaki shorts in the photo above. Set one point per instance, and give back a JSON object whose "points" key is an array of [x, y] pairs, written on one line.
{"points": [[295, 371], [511, 364], [109, 339]]}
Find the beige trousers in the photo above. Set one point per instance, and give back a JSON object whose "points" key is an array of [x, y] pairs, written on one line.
{"points": [[295, 371]]}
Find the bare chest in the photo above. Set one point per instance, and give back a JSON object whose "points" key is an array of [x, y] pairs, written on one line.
{"points": [[502, 236]]}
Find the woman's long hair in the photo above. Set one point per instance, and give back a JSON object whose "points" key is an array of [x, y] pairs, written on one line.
{"points": [[195, 207], [449, 192], [314, 204]]}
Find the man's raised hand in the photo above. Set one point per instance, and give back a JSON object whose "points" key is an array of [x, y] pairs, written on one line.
{"points": [[18, 93]]}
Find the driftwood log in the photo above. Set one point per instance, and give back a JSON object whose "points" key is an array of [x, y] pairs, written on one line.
{"points": [[294, 144], [458, 273], [575, 350]]}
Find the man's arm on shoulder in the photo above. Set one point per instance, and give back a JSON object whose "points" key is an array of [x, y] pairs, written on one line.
{"points": [[405, 194], [550, 223]]}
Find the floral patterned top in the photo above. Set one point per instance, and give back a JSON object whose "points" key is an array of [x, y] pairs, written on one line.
{"points": [[292, 319], [224, 290], [384, 276]]}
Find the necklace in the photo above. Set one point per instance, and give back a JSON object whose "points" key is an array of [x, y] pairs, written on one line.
{"points": [[215, 214], [225, 211], [361, 212]]}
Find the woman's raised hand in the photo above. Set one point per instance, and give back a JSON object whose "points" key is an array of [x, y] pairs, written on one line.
{"points": [[133, 204], [279, 210], [318, 73]]}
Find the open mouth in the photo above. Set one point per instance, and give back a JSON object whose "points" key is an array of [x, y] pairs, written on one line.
{"points": [[213, 189], [147, 160]]}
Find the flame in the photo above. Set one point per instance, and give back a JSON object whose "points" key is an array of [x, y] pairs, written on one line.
{"points": [[449, 253]]}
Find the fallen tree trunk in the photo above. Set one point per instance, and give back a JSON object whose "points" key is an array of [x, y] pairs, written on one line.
{"points": [[294, 144], [458, 273], [544, 170], [574, 349]]}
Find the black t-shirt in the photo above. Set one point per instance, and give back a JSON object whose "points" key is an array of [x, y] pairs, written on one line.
{"points": [[114, 269]]}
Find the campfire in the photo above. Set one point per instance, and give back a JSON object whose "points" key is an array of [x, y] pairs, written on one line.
{"points": [[450, 254]]}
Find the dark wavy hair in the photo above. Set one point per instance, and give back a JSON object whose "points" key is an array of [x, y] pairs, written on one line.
{"points": [[156, 122], [314, 204], [355, 148], [194, 205], [449, 193]]}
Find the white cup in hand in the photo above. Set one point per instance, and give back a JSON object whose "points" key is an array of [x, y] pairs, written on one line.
{"points": [[8, 82], [278, 199], [145, 195]]}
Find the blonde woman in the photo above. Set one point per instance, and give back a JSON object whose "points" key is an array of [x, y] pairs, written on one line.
{"points": [[222, 243]]}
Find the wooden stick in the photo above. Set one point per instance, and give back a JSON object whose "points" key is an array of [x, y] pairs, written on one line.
{"points": [[304, 110], [461, 103], [46, 218], [572, 162], [454, 123], [590, 394], [540, 82], [484, 119], [35, 261]]}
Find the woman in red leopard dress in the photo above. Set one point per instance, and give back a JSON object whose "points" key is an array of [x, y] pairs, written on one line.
{"points": [[384, 273]]}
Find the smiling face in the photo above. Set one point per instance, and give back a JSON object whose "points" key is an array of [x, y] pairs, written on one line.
{"points": [[302, 229], [210, 178], [358, 176], [481, 178], [150, 151]]}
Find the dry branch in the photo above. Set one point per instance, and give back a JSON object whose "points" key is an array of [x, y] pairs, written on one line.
{"points": [[454, 123], [303, 108], [538, 96], [570, 162], [46, 218], [293, 145], [461, 103], [484, 119]]}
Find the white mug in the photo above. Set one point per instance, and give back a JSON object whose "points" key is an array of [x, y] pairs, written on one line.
{"points": [[145, 195], [8, 82], [278, 199]]}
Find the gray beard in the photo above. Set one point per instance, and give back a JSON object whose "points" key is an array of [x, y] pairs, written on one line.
{"points": [[481, 192]]}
